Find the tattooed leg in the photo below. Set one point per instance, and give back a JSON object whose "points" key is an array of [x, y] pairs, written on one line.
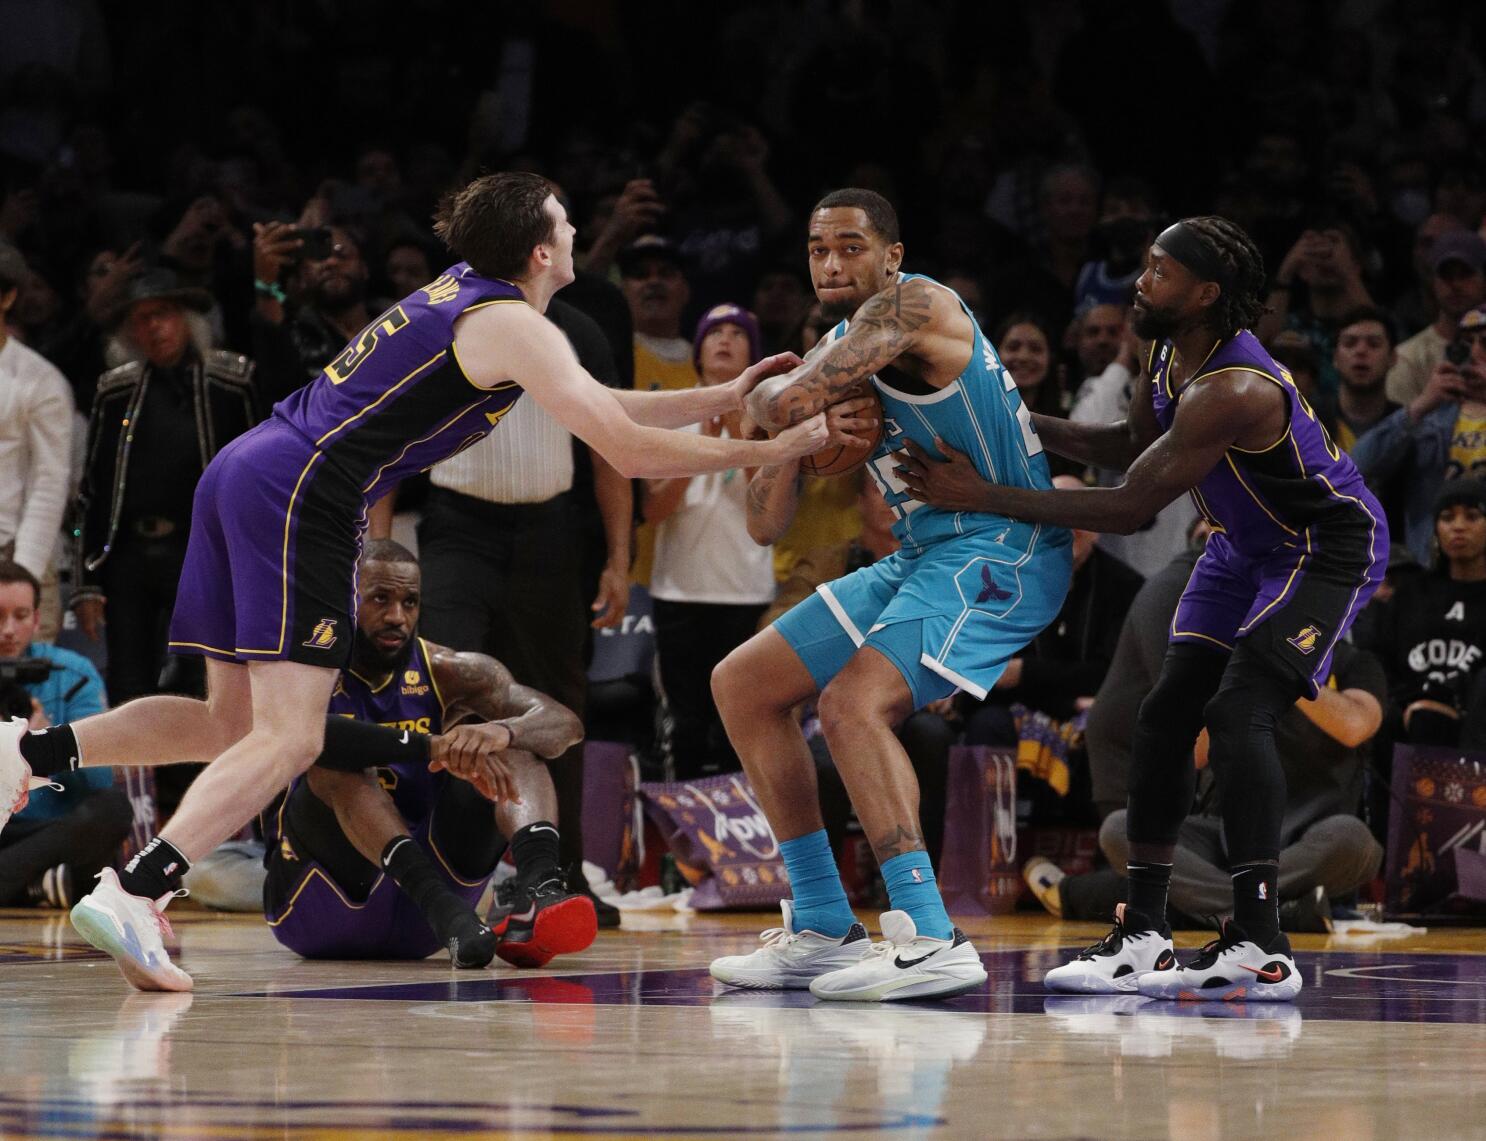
{"points": [[859, 712]]}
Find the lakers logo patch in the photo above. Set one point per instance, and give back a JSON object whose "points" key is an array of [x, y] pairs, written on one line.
{"points": [[1305, 641], [323, 635], [410, 677]]}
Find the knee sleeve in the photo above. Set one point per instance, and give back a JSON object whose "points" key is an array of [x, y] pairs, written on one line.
{"points": [[1162, 777]]}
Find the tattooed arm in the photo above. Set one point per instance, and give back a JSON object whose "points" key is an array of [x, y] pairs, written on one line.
{"points": [[890, 325], [478, 684], [773, 499]]}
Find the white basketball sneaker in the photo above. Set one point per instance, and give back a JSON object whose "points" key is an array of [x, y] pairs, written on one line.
{"points": [[790, 959], [132, 929], [905, 965], [1115, 964], [16, 781], [1231, 968]]}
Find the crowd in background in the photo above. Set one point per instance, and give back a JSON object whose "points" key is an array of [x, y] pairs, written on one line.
{"points": [[200, 207]]}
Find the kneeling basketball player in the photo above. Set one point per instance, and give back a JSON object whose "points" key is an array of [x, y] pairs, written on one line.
{"points": [[389, 863]]}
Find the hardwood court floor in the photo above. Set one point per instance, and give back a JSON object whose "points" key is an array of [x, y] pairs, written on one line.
{"points": [[630, 1040]]}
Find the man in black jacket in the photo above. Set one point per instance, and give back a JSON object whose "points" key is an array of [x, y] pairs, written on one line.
{"points": [[155, 424]]}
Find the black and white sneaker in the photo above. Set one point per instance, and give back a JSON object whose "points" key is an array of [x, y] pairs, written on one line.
{"points": [[905, 965], [1232, 968], [1116, 963], [53, 889]]}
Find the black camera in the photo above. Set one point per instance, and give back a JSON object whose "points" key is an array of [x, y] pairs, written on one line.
{"points": [[24, 671], [318, 243], [1457, 352], [15, 675]]}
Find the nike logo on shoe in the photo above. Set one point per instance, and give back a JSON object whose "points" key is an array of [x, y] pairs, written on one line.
{"points": [[898, 962], [1166, 961], [1273, 973]]}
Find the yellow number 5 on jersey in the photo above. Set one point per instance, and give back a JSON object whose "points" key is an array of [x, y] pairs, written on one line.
{"points": [[340, 369]]}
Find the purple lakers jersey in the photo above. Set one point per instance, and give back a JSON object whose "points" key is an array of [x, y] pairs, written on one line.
{"points": [[1301, 493], [408, 700], [396, 400]]}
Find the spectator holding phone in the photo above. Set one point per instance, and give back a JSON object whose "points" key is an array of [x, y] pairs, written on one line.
{"points": [[1437, 436], [1459, 282], [310, 288]]}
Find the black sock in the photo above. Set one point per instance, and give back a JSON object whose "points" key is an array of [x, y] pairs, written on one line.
{"points": [[412, 870], [1146, 909], [1256, 905], [535, 852], [351, 746], [156, 870], [50, 751]]}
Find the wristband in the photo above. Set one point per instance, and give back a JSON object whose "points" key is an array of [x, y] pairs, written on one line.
{"points": [[269, 289]]}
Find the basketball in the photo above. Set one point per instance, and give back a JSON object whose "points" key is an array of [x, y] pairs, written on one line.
{"points": [[834, 460]]}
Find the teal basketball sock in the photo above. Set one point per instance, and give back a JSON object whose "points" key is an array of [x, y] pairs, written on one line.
{"points": [[820, 900], [911, 888]]}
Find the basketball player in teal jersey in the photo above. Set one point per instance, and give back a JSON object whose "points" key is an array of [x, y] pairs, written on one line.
{"points": [[267, 592], [966, 591]]}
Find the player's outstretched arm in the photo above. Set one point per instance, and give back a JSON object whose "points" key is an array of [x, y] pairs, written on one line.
{"points": [[681, 407], [892, 323], [1208, 421], [505, 343], [1113, 446]]}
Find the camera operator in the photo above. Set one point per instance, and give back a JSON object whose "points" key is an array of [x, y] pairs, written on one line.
{"points": [[51, 849], [1438, 436]]}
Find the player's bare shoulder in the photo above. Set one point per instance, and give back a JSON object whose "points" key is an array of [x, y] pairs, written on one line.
{"points": [[927, 322], [463, 674], [1247, 404], [497, 343]]}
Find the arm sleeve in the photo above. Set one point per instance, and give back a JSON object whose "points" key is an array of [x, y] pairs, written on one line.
{"points": [[49, 437]]}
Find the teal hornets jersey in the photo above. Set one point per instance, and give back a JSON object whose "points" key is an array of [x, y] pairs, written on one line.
{"points": [[980, 414]]}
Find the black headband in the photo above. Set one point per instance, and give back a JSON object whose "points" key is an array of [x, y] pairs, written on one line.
{"points": [[1182, 242]]}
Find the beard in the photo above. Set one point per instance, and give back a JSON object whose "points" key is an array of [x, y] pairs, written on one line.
{"points": [[338, 292], [1152, 324], [834, 312], [366, 652]]}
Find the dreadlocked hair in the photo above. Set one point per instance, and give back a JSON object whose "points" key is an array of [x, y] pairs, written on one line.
{"points": [[1241, 303]]}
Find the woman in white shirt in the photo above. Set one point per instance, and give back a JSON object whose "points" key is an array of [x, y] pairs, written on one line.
{"points": [[711, 583]]}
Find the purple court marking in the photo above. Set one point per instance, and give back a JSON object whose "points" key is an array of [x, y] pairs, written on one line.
{"points": [[72, 1117], [1349, 986], [17, 954]]}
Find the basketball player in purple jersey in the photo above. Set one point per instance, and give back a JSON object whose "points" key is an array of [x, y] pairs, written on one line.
{"points": [[268, 589], [1298, 547], [341, 845]]}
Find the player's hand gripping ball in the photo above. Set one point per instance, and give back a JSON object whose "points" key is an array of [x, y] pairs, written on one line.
{"points": [[856, 430]]}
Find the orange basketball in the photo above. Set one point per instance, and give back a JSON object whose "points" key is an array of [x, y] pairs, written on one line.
{"points": [[835, 460]]}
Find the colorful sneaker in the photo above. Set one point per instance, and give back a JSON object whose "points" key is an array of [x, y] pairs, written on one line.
{"points": [[1115, 964], [1231, 968], [546, 919], [16, 781], [905, 965], [132, 930], [1043, 877], [790, 959]]}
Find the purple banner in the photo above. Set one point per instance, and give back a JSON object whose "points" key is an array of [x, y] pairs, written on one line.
{"points": [[721, 840]]}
